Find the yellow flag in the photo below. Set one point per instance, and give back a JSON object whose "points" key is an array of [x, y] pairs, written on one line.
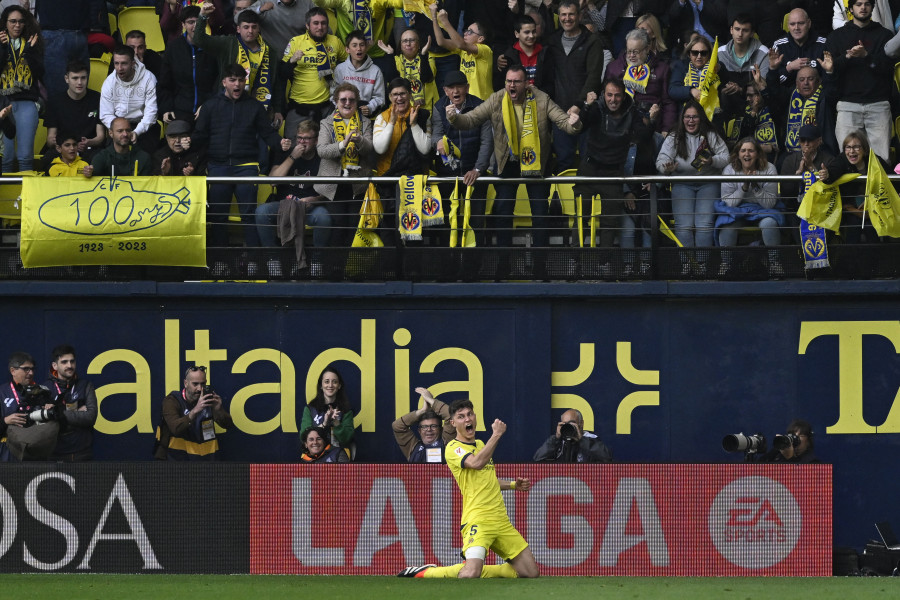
{"points": [[709, 87], [821, 205], [114, 221], [666, 231], [882, 202]]}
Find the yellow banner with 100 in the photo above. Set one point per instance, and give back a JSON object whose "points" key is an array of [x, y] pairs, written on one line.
{"points": [[114, 221]]}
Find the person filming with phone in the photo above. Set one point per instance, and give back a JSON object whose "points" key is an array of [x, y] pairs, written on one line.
{"points": [[187, 429]]}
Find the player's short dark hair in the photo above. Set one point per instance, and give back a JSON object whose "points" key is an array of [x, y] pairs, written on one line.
{"points": [[17, 359], [62, 349], [356, 34], [460, 404], [123, 50], [136, 33]]}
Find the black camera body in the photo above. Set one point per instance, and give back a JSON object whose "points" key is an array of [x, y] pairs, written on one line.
{"points": [[786, 440], [568, 432], [33, 401], [207, 389]]}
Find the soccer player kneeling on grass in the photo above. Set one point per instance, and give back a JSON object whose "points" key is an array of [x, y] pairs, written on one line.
{"points": [[485, 524]]}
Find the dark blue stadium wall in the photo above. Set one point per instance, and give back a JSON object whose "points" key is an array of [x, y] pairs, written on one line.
{"points": [[661, 370]]}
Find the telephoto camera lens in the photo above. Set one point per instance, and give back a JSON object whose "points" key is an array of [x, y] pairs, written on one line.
{"points": [[738, 442]]}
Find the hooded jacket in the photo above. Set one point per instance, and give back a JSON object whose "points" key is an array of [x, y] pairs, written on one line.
{"points": [[134, 100], [367, 78]]}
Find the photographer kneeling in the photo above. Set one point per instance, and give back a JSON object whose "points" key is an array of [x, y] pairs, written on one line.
{"points": [[572, 444], [29, 423], [795, 446]]}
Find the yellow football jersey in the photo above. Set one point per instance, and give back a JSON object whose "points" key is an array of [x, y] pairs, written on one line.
{"points": [[480, 489]]}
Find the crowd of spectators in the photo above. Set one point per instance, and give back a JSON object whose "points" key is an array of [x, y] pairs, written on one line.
{"points": [[388, 92]]}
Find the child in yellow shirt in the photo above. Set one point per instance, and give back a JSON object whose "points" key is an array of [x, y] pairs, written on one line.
{"points": [[68, 163]]}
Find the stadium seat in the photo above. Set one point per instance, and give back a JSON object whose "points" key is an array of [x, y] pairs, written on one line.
{"points": [[113, 24], [98, 74], [145, 19]]}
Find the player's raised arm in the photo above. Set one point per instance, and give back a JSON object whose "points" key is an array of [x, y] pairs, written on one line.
{"points": [[478, 461]]}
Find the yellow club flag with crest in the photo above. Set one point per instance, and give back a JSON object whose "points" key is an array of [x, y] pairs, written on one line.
{"points": [[821, 205], [709, 86], [113, 221], [882, 201]]}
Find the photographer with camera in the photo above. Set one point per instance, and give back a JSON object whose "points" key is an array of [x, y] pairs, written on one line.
{"points": [[29, 426], [78, 407], [572, 444], [795, 446], [187, 429]]}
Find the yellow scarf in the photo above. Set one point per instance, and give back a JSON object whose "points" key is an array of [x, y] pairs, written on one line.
{"points": [[800, 112], [694, 76], [15, 75], [260, 86], [350, 157], [412, 71], [384, 161], [524, 145], [636, 78]]}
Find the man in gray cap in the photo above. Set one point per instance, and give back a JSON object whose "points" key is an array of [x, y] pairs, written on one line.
{"points": [[461, 153], [177, 157]]}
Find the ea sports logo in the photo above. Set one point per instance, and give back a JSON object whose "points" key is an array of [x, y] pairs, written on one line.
{"points": [[755, 522]]}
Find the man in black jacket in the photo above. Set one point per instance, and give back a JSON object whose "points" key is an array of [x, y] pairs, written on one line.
{"points": [[572, 444], [76, 436], [575, 57], [614, 127], [188, 75], [231, 125]]}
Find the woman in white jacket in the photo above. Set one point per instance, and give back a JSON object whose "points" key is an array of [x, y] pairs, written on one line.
{"points": [[693, 148]]}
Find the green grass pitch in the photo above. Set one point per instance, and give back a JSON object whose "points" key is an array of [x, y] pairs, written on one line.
{"points": [[263, 587]]}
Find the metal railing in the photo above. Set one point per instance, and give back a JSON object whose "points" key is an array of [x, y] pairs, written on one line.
{"points": [[563, 259]]}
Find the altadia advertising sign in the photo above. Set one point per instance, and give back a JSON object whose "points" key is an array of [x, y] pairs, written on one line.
{"points": [[697, 520]]}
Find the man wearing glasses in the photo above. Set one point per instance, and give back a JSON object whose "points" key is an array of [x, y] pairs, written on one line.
{"points": [[429, 448], [21, 439], [187, 429]]}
